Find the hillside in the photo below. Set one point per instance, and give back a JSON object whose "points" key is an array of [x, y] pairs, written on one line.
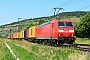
{"points": [[13, 27]]}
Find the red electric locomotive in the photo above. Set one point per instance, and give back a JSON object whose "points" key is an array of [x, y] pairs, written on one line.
{"points": [[59, 31]]}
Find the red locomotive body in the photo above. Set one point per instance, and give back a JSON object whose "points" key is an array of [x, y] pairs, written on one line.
{"points": [[59, 31]]}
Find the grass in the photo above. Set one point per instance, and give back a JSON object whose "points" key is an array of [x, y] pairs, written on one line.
{"points": [[88, 57], [26, 50], [24, 54], [82, 41], [75, 20], [4, 52]]}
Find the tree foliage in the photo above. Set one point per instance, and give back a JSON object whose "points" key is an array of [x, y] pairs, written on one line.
{"points": [[83, 28], [31, 24], [41, 21], [1, 36]]}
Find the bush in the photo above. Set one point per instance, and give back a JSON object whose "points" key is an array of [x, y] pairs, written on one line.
{"points": [[83, 28]]}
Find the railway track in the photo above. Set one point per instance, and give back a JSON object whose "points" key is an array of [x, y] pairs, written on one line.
{"points": [[82, 47]]}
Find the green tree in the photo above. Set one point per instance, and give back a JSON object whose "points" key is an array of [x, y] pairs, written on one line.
{"points": [[30, 26], [41, 21], [83, 28]]}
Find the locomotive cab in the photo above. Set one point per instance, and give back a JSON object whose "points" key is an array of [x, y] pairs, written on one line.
{"points": [[64, 31]]}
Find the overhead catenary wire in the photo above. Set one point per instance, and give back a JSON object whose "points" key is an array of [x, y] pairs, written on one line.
{"points": [[46, 6], [64, 3], [48, 12], [52, 9], [68, 6], [67, 3], [73, 3], [61, 5], [85, 7]]}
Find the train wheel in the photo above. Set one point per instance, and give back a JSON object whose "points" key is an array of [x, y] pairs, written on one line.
{"points": [[45, 42], [51, 42], [70, 42], [60, 43]]}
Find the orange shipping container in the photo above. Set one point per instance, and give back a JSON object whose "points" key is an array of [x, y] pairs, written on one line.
{"points": [[17, 35], [8, 37], [31, 32], [27, 33], [13, 35], [22, 34]]}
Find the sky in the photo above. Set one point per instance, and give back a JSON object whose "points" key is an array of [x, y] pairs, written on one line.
{"points": [[11, 10]]}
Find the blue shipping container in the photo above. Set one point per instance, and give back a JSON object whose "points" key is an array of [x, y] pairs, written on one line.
{"points": [[25, 34]]}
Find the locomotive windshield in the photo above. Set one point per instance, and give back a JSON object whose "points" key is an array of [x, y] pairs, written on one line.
{"points": [[68, 24], [63, 24]]}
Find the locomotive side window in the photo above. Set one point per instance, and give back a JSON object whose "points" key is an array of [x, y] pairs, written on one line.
{"points": [[52, 25], [60, 24], [69, 24]]}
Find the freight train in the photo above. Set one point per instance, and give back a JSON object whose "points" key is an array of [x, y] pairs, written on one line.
{"points": [[55, 31]]}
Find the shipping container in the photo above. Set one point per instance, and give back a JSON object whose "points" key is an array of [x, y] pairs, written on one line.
{"points": [[25, 34], [22, 34], [14, 36], [8, 37], [31, 32], [17, 35]]}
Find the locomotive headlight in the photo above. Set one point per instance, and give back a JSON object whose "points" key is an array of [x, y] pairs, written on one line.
{"points": [[60, 30], [71, 30]]}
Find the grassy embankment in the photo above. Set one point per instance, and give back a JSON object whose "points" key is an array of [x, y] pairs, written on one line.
{"points": [[27, 51], [4, 52], [24, 54], [75, 20], [82, 41]]}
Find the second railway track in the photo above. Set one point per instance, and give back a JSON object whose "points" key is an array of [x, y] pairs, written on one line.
{"points": [[82, 47]]}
